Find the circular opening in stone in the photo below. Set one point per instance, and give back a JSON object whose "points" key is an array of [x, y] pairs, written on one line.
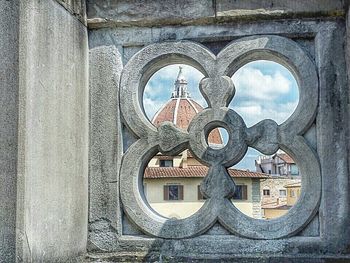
{"points": [[171, 184], [217, 138], [172, 94], [267, 186], [264, 90]]}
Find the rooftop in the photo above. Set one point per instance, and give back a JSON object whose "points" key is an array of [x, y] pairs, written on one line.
{"points": [[194, 172], [286, 158]]}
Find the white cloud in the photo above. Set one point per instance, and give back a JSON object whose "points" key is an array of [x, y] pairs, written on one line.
{"points": [[151, 106], [158, 90], [261, 95], [258, 96], [253, 112], [251, 82]]}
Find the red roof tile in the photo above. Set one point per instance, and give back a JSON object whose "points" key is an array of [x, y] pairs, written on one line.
{"points": [[181, 111], [285, 157], [195, 171]]}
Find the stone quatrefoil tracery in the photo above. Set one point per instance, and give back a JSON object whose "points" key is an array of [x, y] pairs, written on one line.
{"points": [[218, 90]]}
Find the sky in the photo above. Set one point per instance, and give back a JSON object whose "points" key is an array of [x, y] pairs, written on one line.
{"points": [[264, 90]]}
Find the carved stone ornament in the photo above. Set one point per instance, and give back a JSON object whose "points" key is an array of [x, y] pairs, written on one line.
{"points": [[265, 136]]}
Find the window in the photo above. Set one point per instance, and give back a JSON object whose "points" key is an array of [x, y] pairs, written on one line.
{"points": [[269, 171], [280, 171], [166, 163], [173, 192], [266, 192], [200, 195], [283, 193], [292, 193], [294, 169], [241, 193]]}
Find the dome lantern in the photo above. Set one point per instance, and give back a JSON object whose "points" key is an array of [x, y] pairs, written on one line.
{"points": [[180, 86]]}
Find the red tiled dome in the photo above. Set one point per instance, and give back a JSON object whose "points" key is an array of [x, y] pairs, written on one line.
{"points": [[181, 111]]}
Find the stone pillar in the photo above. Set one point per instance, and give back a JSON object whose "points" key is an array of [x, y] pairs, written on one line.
{"points": [[256, 199], [8, 127], [52, 185], [347, 50], [105, 148]]}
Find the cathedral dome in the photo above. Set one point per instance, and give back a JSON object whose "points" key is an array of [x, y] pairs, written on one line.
{"points": [[181, 109]]}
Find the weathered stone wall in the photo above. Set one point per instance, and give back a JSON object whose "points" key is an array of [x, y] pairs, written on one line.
{"points": [[190, 12], [317, 27], [44, 124], [52, 180], [8, 126], [76, 8], [105, 142]]}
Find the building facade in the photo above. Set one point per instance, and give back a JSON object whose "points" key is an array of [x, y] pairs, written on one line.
{"points": [[279, 164], [173, 190], [281, 206], [283, 172]]}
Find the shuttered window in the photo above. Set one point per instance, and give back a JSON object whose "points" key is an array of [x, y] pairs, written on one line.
{"points": [[266, 192], [166, 163], [241, 193], [173, 192], [200, 195]]}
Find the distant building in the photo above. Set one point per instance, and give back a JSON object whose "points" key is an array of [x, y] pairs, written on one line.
{"points": [[171, 183], [279, 164], [171, 186], [278, 209], [283, 173]]}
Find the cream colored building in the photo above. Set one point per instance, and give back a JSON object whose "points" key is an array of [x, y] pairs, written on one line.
{"points": [[275, 190], [172, 187], [292, 195]]}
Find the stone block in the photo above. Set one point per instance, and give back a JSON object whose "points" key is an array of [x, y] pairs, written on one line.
{"points": [[52, 205], [76, 7], [255, 9], [8, 127], [189, 12], [105, 147], [147, 13]]}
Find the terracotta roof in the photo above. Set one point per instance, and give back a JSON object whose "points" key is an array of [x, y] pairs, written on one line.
{"points": [[165, 113], [194, 171], [285, 157], [181, 111]]}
